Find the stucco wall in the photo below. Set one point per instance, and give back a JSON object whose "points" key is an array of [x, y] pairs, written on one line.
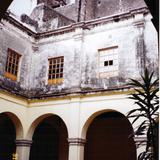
{"points": [[19, 41], [77, 113], [80, 50]]}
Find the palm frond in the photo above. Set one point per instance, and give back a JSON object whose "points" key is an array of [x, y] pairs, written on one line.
{"points": [[136, 83], [146, 98], [133, 111]]}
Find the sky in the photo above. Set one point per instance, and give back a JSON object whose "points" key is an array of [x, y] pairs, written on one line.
{"points": [[19, 7]]}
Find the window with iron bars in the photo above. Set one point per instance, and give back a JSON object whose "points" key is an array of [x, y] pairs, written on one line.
{"points": [[12, 65], [55, 72]]}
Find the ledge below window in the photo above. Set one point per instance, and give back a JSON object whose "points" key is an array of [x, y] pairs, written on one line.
{"points": [[56, 81], [10, 76]]}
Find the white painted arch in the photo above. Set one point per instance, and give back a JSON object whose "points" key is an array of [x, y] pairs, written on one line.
{"points": [[17, 123], [98, 105], [93, 116], [37, 120]]}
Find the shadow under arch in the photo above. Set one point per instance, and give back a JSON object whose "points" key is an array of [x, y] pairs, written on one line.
{"points": [[109, 135], [17, 123], [91, 118], [10, 130], [49, 138], [38, 120]]}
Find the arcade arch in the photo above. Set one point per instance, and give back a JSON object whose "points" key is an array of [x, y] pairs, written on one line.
{"points": [[10, 130], [106, 132], [49, 138]]}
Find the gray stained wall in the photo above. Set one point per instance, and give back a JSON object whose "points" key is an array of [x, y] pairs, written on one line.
{"points": [[11, 37], [136, 49], [92, 9], [80, 10], [101, 8]]}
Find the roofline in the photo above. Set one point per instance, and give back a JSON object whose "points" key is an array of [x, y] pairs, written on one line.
{"points": [[72, 27], [81, 93]]}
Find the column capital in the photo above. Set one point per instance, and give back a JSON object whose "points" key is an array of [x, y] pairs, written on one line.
{"points": [[23, 142], [76, 141]]}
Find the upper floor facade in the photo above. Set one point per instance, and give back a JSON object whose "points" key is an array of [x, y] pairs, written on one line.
{"points": [[92, 55]]}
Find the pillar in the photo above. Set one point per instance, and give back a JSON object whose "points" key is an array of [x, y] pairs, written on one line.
{"points": [[139, 24], [76, 148], [23, 149]]}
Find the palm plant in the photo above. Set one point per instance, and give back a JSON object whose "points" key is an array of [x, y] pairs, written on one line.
{"points": [[147, 100]]}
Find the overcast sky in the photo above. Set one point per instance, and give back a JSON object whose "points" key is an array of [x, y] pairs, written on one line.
{"points": [[19, 7]]}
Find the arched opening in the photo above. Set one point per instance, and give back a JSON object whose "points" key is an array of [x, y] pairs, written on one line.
{"points": [[7, 137], [50, 140], [109, 136]]}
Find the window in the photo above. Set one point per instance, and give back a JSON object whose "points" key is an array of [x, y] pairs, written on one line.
{"points": [[55, 73], [11, 70], [108, 62]]}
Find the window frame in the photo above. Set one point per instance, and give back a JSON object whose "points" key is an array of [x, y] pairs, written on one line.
{"points": [[107, 64], [12, 64], [55, 70]]}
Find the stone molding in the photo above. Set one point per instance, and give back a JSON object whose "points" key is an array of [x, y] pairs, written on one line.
{"points": [[76, 141], [23, 142], [71, 28]]}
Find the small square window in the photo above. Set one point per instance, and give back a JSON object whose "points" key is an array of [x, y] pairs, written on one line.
{"points": [[110, 62], [105, 63]]}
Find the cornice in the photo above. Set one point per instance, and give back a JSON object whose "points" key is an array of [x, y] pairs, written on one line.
{"points": [[68, 94], [71, 28], [19, 25]]}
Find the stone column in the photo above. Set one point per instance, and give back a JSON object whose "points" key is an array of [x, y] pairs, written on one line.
{"points": [[76, 148], [23, 149]]}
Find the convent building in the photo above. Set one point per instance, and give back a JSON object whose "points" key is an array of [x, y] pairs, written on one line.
{"points": [[64, 71]]}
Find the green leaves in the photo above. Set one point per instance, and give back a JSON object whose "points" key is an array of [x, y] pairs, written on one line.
{"points": [[147, 100]]}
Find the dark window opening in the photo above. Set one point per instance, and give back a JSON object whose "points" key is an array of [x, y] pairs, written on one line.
{"points": [[105, 63], [110, 62]]}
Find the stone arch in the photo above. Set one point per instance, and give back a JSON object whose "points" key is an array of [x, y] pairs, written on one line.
{"points": [[10, 130], [38, 120], [106, 131], [90, 119], [49, 136], [17, 123]]}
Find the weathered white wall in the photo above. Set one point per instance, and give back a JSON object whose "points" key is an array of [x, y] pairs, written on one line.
{"points": [[137, 48], [17, 40], [80, 51]]}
